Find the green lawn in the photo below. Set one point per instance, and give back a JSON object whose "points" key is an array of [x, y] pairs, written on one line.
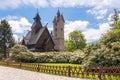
{"points": [[60, 64]]}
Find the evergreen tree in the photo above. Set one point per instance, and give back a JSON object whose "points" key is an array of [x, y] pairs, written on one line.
{"points": [[6, 37]]}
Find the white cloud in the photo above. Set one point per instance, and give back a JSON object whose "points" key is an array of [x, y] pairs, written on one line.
{"points": [[9, 17], [99, 13], [36, 3], [72, 3], [60, 3], [6, 4], [99, 8], [91, 34], [9, 4], [75, 25], [16, 37], [98, 4], [20, 25]]}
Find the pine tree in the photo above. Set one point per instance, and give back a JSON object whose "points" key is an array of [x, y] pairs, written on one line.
{"points": [[6, 37]]}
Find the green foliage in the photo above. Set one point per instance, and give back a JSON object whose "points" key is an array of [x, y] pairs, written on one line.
{"points": [[20, 53], [115, 16], [18, 48], [76, 41], [110, 37], [69, 46], [117, 25], [44, 57], [116, 20], [104, 53], [77, 57], [6, 36], [103, 57]]}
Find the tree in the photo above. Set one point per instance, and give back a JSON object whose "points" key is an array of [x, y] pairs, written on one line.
{"points": [[110, 37], [76, 40], [69, 46], [116, 20], [117, 25], [106, 52], [6, 37]]}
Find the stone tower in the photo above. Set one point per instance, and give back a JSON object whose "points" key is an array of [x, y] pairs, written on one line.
{"points": [[58, 31]]}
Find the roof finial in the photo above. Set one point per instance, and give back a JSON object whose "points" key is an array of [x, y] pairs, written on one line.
{"points": [[37, 17], [58, 13]]}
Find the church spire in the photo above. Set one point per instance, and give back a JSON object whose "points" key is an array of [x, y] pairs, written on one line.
{"points": [[37, 17], [58, 13]]}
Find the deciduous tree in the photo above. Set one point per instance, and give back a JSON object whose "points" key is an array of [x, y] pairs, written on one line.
{"points": [[76, 41]]}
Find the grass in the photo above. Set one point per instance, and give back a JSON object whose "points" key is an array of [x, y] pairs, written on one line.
{"points": [[60, 64]]}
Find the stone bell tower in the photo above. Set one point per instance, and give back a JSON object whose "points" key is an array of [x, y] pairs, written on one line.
{"points": [[58, 31]]}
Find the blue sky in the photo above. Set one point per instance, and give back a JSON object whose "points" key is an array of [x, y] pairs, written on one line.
{"points": [[92, 17]]}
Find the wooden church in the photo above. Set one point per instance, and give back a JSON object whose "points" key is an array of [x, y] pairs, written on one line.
{"points": [[39, 39]]}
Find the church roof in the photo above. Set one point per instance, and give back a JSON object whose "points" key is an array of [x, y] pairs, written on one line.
{"points": [[59, 16], [37, 16], [26, 38], [34, 38], [38, 37]]}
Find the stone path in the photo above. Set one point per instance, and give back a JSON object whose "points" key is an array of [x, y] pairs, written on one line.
{"points": [[7, 73]]}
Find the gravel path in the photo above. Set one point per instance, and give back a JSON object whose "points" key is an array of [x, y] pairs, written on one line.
{"points": [[7, 73]]}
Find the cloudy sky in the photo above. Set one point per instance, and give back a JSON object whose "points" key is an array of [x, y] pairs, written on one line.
{"points": [[92, 17]]}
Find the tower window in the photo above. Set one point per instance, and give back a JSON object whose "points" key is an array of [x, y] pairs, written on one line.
{"points": [[61, 29], [56, 35], [55, 29], [55, 24]]}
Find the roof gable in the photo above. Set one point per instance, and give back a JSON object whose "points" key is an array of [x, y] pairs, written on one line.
{"points": [[34, 38]]}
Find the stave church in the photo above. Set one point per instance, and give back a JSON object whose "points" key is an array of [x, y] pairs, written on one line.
{"points": [[39, 39]]}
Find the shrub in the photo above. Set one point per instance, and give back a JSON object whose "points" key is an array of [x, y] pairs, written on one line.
{"points": [[62, 57], [44, 57], [21, 53], [18, 48], [77, 57], [103, 57], [23, 57]]}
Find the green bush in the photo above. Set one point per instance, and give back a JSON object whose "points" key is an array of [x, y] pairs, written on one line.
{"points": [[62, 57], [44, 57], [21, 53], [24, 57], [104, 53], [103, 57], [110, 37], [18, 48], [77, 57]]}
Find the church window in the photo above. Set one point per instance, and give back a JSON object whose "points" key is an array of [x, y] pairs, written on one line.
{"points": [[61, 29], [56, 35], [55, 24], [55, 29]]}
